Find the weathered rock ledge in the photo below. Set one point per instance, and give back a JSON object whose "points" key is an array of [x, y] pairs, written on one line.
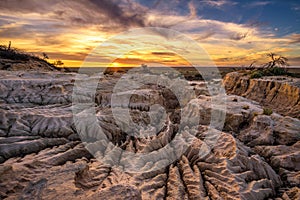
{"points": [[281, 93]]}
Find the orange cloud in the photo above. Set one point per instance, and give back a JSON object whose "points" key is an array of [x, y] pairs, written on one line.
{"points": [[63, 35]]}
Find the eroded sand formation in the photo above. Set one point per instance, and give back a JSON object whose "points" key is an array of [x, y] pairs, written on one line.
{"points": [[280, 93], [42, 157]]}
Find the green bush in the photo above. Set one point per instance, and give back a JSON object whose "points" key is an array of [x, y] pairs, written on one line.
{"points": [[277, 71], [267, 111], [256, 74]]}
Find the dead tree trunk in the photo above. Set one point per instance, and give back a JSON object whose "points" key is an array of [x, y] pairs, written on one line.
{"points": [[9, 45]]}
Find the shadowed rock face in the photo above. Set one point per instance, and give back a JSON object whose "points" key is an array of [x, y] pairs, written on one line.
{"points": [[42, 157]]}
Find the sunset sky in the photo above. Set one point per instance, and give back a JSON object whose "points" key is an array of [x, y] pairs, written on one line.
{"points": [[234, 33]]}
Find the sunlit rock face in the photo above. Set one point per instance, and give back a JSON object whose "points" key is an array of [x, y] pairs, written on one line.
{"points": [[281, 93], [44, 155]]}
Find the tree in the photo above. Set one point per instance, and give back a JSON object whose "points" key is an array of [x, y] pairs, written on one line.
{"points": [[251, 66], [145, 68], [276, 60], [9, 45], [58, 63], [45, 56]]}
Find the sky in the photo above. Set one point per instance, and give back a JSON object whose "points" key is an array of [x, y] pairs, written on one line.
{"points": [[232, 32]]}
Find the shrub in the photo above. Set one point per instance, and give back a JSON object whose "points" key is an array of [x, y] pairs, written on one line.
{"points": [[246, 107], [267, 111], [277, 71], [198, 77], [58, 63], [256, 74], [255, 114], [13, 54], [108, 72]]}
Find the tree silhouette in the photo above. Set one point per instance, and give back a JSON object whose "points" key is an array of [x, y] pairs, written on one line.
{"points": [[145, 68], [45, 56], [58, 63], [251, 66], [9, 45], [276, 60]]}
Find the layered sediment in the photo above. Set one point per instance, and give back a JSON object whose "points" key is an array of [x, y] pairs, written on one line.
{"points": [[281, 93], [44, 155]]}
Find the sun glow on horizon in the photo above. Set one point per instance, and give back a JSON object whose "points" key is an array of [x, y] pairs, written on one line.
{"points": [[62, 35]]}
